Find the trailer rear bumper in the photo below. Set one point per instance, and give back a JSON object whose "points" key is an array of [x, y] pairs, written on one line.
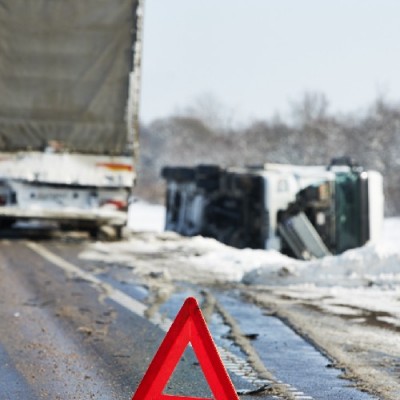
{"points": [[73, 217]]}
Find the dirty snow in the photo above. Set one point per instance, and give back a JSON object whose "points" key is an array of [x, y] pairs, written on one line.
{"points": [[349, 305], [195, 259], [373, 265], [368, 276]]}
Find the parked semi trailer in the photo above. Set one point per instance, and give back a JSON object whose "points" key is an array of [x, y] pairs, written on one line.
{"points": [[303, 211], [69, 82]]}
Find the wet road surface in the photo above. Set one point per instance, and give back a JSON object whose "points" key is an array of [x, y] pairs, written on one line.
{"points": [[70, 329]]}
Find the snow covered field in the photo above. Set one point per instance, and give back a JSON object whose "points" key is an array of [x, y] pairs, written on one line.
{"points": [[349, 305]]}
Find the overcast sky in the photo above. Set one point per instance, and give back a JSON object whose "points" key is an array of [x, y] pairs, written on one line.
{"points": [[258, 56]]}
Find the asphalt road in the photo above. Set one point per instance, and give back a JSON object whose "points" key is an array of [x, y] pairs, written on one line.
{"points": [[69, 329], [66, 335]]}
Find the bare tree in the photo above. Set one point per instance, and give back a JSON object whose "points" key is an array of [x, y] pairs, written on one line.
{"points": [[313, 136]]}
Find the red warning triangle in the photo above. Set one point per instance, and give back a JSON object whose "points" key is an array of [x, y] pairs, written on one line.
{"points": [[189, 326]]}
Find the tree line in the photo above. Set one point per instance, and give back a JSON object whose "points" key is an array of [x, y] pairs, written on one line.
{"points": [[313, 136]]}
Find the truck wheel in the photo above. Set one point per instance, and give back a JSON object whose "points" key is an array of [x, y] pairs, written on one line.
{"points": [[7, 223], [106, 233], [118, 232], [94, 233]]}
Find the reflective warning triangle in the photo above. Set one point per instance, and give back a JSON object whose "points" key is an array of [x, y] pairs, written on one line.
{"points": [[189, 326]]}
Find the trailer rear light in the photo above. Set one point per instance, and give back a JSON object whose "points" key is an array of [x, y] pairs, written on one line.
{"points": [[117, 204], [116, 166]]}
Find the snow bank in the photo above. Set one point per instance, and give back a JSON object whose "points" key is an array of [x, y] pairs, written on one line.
{"points": [[195, 259], [145, 217], [368, 266], [372, 264]]}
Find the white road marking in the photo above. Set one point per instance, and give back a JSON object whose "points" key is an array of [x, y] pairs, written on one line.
{"points": [[116, 295]]}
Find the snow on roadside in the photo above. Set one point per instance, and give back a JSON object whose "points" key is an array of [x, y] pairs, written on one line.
{"points": [[196, 259], [371, 265], [146, 217]]}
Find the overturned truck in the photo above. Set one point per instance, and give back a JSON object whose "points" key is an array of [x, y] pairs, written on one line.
{"points": [[303, 211]]}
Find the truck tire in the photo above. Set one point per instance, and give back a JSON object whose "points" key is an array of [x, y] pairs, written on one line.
{"points": [[106, 233], [7, 223], [118, 232], [94, 233]]}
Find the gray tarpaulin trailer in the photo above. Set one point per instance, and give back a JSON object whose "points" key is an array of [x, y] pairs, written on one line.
{"points": [[69, 92]]}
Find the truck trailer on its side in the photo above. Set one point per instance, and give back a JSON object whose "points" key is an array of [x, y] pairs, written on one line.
{"points": [[69, 90], [303, 211]]}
